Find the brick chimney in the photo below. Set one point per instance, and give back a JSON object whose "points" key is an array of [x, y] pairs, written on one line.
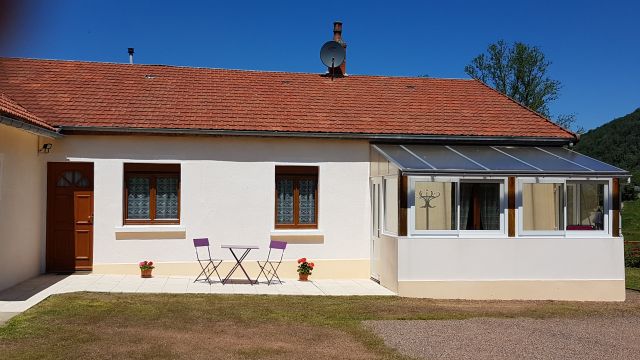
{"points": [[337, 37]]}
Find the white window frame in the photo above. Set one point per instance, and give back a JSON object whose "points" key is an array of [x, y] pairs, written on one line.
{"points": [[456, 180], [383, 202], [520, 215], [608, 216], [503, 206], [607, 211]]}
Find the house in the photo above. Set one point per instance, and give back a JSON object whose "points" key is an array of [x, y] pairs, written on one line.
{"points": [[438, 188]]}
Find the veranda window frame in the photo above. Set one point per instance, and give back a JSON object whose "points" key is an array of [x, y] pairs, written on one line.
{"points": [[153, 172], [296, 173], [607, 209], [456, 181]]}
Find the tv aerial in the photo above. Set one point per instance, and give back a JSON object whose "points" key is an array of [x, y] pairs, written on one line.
{"points": [[332, 55]]}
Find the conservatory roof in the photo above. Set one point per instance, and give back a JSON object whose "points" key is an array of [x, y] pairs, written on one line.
{"points": [[499, 160]]}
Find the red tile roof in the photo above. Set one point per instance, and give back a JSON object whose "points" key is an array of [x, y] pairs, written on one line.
{"points": [[91, 94], [11, 109]]}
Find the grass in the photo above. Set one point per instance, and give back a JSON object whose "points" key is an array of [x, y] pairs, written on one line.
{"points": [[631, 232], [139, 326], [631, 220], [632, 278]]}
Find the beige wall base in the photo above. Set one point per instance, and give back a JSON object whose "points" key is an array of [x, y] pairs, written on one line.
{"points": [[574, 290], [324, 269]]}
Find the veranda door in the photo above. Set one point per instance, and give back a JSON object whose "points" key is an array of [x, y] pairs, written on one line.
{"points": [[375, 186], [69, 217]]}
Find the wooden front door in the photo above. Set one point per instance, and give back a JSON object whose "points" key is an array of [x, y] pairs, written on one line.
{"points": [[69, 216]]}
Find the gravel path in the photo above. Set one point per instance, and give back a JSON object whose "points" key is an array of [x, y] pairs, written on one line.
{"points": [[489, 338]]}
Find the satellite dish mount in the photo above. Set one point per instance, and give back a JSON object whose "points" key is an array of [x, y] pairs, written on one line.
{"points": [[332, 55]]}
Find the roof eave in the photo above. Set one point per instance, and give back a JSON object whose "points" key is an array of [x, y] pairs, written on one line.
{"points": [[34, 129], [388, 138]]}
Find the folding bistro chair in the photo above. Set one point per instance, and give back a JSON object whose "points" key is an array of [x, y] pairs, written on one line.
{"points": [[271, 271], [208, 265]]}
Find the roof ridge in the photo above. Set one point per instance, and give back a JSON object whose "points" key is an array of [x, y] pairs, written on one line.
{"points": [[229, 69]]}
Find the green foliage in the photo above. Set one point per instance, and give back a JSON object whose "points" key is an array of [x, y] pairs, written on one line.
{"points": [[616, 143], [519, 71], [632, 278]]}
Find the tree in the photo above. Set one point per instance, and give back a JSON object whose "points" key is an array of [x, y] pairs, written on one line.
{"points": [[568, 121], [518, 71]]}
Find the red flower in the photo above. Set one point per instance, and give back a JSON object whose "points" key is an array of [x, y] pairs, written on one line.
{"points": [[150, 263], [311, 265], [141, 263], [301, 260]]}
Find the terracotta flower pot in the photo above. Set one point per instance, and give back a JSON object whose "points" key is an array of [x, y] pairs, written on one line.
{"points": [[303, 277], [145, 273]]}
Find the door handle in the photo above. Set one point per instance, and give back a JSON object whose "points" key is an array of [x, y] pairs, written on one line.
{"points": [[91, 219]]}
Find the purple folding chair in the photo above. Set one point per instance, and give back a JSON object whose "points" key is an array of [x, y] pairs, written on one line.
{"points": [[208, 265], [272, 272]]}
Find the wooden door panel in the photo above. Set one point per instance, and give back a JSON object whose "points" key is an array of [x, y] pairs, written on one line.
{"points": [[83, 205], [69, 216]]}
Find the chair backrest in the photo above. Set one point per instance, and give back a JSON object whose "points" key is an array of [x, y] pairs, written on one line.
{"points": [[201, 242], [277, 245]]}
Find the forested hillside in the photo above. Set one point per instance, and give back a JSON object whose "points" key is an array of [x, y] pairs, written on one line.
{"points": [[616, 142]]}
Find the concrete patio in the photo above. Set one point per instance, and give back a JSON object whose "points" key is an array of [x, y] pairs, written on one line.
{"points": [[29, 293]]}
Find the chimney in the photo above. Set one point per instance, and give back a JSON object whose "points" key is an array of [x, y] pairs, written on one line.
{"points": [[130, 55], [337, 37]]}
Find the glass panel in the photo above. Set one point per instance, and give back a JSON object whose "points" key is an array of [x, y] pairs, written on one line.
{"points": [[583, 160], [479, 206], [402, 157], [391, 205], [284, 188], [542, 207], [62, 180], [435, 205], [585, 206], [442, 158], [138, 198], [491, 158], [307, 201], [541, 159], [167, 198]]}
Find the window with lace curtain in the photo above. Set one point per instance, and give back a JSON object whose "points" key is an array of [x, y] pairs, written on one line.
{"points": [[151, 194], [296, 194]]}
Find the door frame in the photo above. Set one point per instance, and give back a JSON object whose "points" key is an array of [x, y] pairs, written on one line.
{"points": [[54, 169], [375, 186]]}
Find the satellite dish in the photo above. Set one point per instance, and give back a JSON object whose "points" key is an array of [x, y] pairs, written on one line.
{"points": [[332, 54]]}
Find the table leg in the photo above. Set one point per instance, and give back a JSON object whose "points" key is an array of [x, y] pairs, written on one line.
{"points": [[238, 264]]}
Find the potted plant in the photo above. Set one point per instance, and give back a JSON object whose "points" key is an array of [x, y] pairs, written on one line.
{"points": [[145, 268], [304, 269]]}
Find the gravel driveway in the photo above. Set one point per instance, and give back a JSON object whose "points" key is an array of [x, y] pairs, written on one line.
{"points": [[596, 337]]}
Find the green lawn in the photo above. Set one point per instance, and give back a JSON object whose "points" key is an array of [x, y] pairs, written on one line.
{"points": [[631, 220], [633, 278], [139, 326]]}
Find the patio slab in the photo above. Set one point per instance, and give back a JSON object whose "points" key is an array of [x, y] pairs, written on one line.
{"points": [[28, 293]]}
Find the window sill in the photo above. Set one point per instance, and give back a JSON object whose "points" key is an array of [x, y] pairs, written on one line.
{"points": [[150, 232], [298, 236]]}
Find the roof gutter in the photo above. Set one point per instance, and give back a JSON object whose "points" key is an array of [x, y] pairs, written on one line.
{"points": [[22, 125], [381, 138]]}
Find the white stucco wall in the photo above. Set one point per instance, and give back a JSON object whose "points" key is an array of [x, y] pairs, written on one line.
{"points": [[227, 193], [22, 206], [511, 259]]}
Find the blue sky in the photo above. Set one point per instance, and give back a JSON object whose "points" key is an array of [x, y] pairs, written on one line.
{"points": [[594, 45]]}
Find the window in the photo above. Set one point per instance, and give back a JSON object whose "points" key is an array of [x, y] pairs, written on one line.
{"points": [[542, 207], [151, 193], [391, 205], [553, 206], [456, 206], [296, 197], [435, 205], [585, 206], [479, 206]]}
